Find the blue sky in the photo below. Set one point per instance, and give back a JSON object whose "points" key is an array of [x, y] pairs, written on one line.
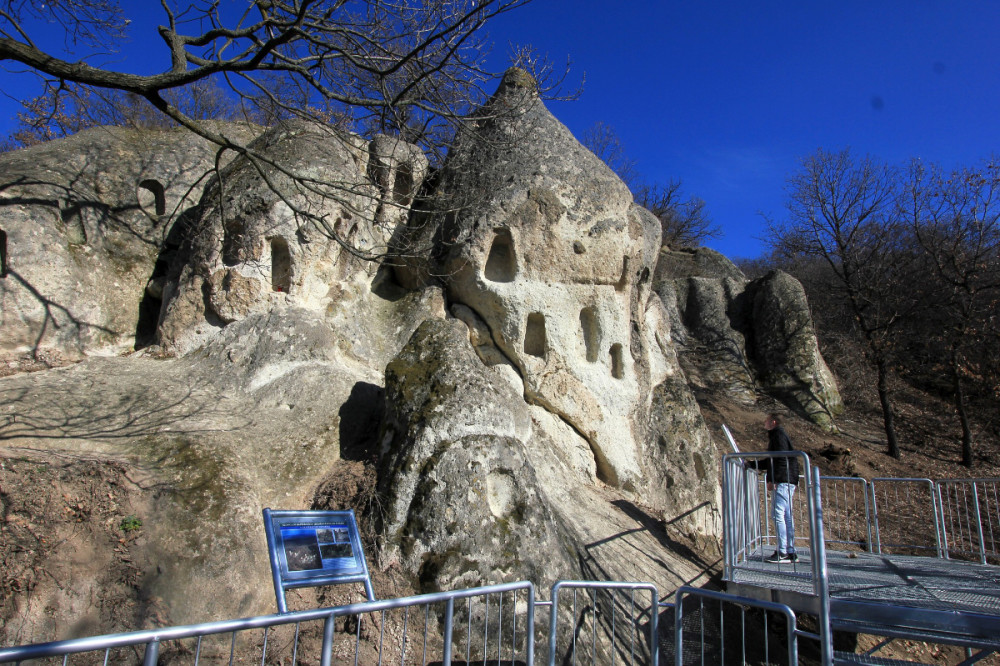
{"points": [[729, 95]]}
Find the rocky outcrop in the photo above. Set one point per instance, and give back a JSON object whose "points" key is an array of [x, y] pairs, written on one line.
{"points": [[539, 352], [463, 503], [741, 337], [550, 271], [556, 263], [88, 222], [785, 349], [285, 230]]}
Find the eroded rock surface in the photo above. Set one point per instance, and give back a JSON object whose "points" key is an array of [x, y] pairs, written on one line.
{"points": [[741, 336], [88, 222], [539, 354], [550, 271], [463, 503], [270, 235], [555, 260]]}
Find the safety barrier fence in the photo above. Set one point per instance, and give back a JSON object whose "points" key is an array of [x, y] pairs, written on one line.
{"points": [[947, 518], [608, 622], [589, 622], [969, 515], [493, 624], [716, 628]]}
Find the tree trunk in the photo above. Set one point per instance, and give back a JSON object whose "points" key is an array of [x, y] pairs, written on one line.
{"points": [[886, 402], [963, 413]]}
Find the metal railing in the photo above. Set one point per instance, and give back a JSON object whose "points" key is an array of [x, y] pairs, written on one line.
{"points": [[718, 628], [969, 512], [947, 518], [847, 512], [605, 623], [905, 517], [493, 624], [746, 507], [750, 553]]}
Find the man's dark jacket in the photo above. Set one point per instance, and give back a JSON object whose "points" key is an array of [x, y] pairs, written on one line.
{"points": [[778, 470]]}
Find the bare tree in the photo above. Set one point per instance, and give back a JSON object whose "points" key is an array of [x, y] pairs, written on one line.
{"points": [[955, 217], [68, 109], [409, 69], [602, 140], [684, 221], [845, 211]]}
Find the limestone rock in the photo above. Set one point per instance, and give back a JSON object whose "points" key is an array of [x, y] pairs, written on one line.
{"points": [[88, 220], [463, 506], [541, 240], [398, 169], [740, 337], [264, 239], [547, 261], [786, 350]]}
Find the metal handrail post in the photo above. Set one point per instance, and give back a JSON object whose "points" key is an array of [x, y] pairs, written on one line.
{"points": [[326, 658], [937, 531], [654, 631], [449, 616], [152, 654], [979, 523], [729, 523], [940, 524], [878, 533], [726, 536], [553, 610], [530, 647], [821, 583], [679, 628], [868, 519]]}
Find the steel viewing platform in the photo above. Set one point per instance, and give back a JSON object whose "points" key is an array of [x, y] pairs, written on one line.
{"points": [[900, 558]]}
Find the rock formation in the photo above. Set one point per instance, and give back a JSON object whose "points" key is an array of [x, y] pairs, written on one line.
{"points": [[522, 368], [90, 226], [742, 336]]}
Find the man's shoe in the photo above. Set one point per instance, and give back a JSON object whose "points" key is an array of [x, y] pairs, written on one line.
{"points": [[792, 557], [777, 557]]}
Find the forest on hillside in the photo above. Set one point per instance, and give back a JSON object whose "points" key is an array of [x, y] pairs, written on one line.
{"points": [[901, 264]]}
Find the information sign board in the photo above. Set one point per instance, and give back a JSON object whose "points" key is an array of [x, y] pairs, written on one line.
{"points": [[311, 548]]}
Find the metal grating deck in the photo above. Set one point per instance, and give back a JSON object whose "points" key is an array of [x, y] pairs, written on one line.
{"points": [[950, 600]]}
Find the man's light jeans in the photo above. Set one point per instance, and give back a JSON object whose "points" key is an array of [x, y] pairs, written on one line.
{"points": [[784, 523]]}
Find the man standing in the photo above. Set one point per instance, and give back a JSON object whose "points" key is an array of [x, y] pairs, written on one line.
{"points": [[782, 475]]}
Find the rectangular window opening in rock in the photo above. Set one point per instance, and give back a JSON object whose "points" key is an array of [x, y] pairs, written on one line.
{"points": [[152, 198], [590, 326], [534, 335], [501, 264], [281, 265], [3, 253], [617, 362]]}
